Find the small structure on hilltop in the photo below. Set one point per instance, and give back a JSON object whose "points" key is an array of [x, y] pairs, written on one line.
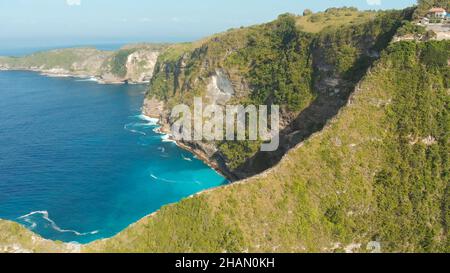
{"points": [[437, 13], [435, 16]]}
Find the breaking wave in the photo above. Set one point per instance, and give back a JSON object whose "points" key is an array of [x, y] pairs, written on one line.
{"points": [[91, 79], [156, 178], [45, 216], [151, 121], [141, 126]]}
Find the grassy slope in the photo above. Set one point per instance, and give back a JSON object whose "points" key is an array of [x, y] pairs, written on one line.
{"points": [[15, 238], [220, 50], [88, 60], [367, 176], [62, 58], [334, 18], [330, 19], [277, 62], [359, 180]]}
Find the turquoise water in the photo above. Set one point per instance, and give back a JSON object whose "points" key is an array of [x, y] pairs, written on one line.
{"points": [[79, 163]]}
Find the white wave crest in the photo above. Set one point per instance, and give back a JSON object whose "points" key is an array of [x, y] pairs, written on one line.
{"points": [[165, 180], [46, 217], [151, 121], [166, 138], [186, 158], [91, 79], [128, 127]]}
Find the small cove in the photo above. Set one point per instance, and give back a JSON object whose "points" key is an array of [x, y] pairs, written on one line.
{"points": [[78, 162]]}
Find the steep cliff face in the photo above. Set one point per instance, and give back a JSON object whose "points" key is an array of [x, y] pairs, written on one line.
{"points": [[131, 64], [140, 65], [374, 179], [310, 75], [219, 90]]}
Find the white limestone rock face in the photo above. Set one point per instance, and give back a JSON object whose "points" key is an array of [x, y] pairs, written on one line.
{"points": [[88, 62], [153, 108], [220, 89], [140, 65], [91, 64]]}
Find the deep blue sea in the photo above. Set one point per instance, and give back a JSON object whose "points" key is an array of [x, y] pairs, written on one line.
{"points": [[79, 163]]}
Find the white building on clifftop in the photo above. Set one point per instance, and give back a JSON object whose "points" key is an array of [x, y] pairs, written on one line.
{"points": [[437, 13]]}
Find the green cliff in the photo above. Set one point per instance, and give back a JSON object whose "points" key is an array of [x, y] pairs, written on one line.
{"points": [[132, 63], [369, 172], [309, 72], [377, 173]]}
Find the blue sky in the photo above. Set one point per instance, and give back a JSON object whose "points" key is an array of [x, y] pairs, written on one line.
{"points": [[39, 22]]}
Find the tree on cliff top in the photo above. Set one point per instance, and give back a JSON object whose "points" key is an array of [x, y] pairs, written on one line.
{"points": [[307, 12]]}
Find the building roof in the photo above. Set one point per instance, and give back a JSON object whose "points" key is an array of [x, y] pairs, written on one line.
{"points": [[437, 10]]}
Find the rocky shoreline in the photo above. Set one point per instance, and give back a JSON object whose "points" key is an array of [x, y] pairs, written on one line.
{"points": [[67, 74], [153, 108], [132, 64]]}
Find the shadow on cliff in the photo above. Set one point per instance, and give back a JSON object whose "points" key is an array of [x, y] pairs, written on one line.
{"points": [[311, 120], [330, 98], [329, 101]]}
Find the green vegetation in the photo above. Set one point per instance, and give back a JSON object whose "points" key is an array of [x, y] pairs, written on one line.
{"points": [[60, 58], [378, 172], [333, 18], [148, 46], [423, 6], [119, 60], [224, 51], [89, 62], [17, 239], [344, 49], [307, 12], [411, 28], [435, 55], [286, 64], [279, 61], [415, 178], [116, 64], [237, 152]]}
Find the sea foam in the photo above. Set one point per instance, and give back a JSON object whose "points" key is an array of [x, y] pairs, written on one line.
{"points": [[45, 215], [151, 121]]}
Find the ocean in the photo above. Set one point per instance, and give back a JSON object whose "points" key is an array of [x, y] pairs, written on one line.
{"points": [[78, 161]]}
